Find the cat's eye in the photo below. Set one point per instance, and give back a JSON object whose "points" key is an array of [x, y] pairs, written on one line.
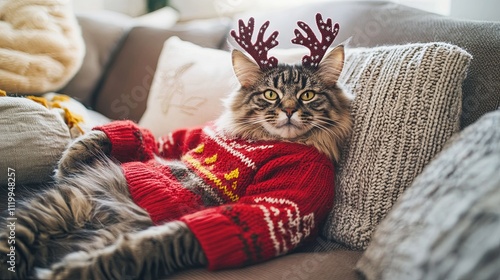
{"points": [[308, 95], [270, 95]]}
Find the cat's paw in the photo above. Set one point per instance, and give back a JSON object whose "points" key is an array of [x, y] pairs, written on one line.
{"points": [[78, 265], [73, 266], [83, 151], [106, 263]]}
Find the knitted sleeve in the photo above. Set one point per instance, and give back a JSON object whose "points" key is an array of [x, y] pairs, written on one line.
{"points": [[177, 143], [283, 207], [129, 142]]}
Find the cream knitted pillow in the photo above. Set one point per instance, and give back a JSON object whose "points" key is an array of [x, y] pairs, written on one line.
{"points": [[407, 105], [41, 46]]}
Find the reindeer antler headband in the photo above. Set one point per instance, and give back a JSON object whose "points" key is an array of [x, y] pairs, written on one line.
{"points": [[260, 48]]}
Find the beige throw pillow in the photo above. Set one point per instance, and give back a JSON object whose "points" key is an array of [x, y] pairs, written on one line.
{"points": [[187, 87], [32, 140]]}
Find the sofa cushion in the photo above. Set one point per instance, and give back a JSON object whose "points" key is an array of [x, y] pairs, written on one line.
{"points": [[32, 140], [103, 33], [447, 224], [337, 264], [36, 130], [406, 106], [188, 87], [125, 91]]}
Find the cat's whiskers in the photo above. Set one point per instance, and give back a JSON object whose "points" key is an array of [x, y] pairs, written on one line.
{"points": [[342, 125], [251, 122], [328, 131]]}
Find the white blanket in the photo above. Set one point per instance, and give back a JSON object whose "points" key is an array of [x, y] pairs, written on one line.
{"points": [[41, 46]]}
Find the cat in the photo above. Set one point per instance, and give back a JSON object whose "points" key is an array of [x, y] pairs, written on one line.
{"points": [[251, 186]]}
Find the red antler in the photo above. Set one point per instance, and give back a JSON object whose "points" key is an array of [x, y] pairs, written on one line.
{"points": [[317, 48], [258, 50]]}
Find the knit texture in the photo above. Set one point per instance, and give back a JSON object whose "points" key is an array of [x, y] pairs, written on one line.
{"points": [[32, 139], [41, 46], [447, 224], [245, 201], [407, 104]]}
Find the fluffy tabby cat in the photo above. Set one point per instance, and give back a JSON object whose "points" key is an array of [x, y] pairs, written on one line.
{"points": [[249, 187]]}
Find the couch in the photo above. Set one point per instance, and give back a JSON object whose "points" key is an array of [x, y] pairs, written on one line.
{"points": [[121, 60]]}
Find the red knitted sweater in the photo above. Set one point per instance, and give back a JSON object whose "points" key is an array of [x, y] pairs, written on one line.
{"points": [[245, 201]]}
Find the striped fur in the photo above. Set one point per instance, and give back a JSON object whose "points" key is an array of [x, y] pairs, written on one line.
{"points": [[82, 212], [147, 254], [323, 122], [87, 226]]}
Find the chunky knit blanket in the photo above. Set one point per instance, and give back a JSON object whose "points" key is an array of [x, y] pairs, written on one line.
{"points": [[41, 46]]}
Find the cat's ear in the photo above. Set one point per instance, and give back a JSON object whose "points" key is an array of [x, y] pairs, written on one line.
{"points": [[245, 69], [331, 66]]}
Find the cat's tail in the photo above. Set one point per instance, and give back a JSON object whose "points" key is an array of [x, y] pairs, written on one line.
{"points": [[90, 205]]}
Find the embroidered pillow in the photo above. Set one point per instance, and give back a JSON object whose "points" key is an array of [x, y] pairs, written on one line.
{"points": [[446, 225], [407, 105], [188, 86]]}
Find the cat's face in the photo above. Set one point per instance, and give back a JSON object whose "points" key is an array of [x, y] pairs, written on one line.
{"points": [[288, 102]]}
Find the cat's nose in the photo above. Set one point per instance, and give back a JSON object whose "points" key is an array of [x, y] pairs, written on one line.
{"points": [[289, 111]]}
